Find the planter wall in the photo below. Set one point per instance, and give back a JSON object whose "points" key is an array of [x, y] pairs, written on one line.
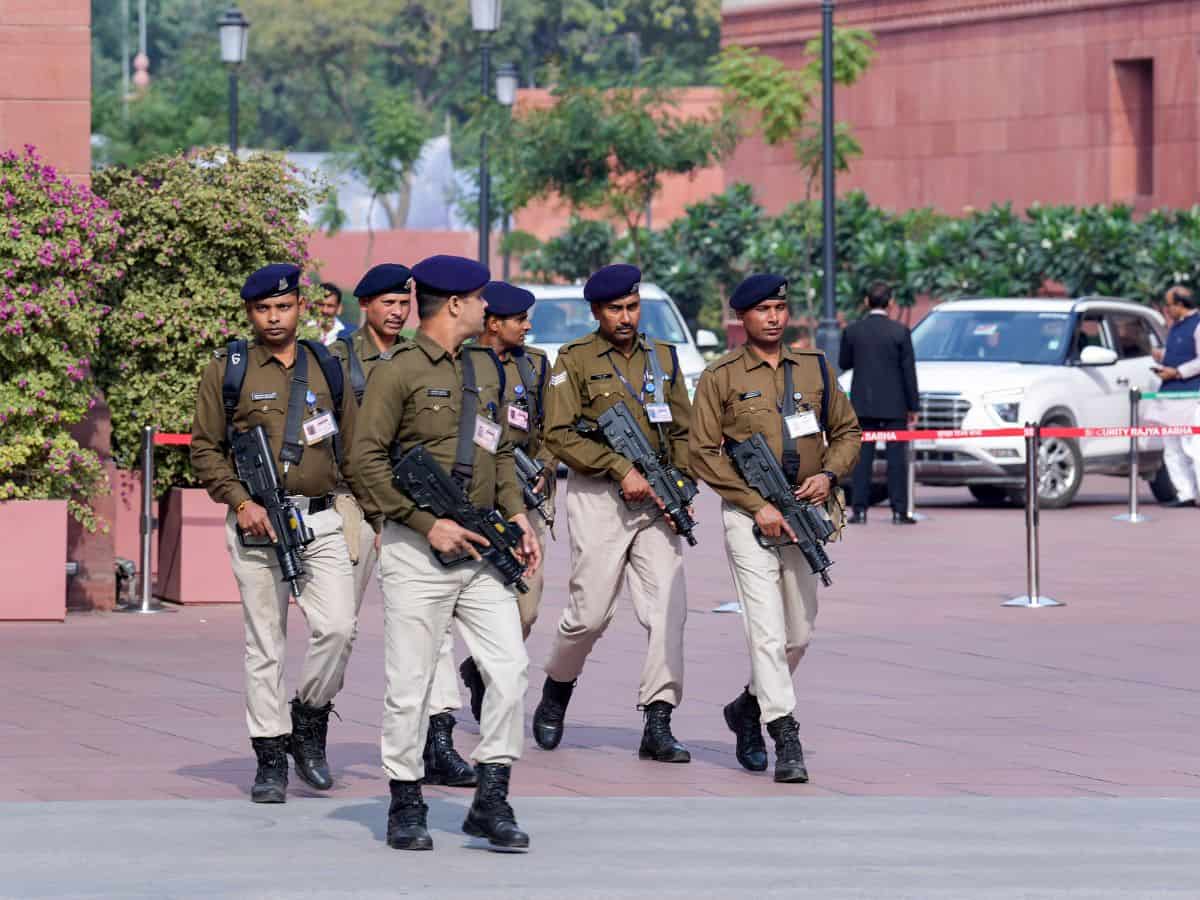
{"points": [[33, 566], [193, 561]]}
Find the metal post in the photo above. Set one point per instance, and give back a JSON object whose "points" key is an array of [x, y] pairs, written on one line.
{"points": [[912, 484], [828, 334], [233, 110], [485, 187], [1032, 598], [1133, 516], [148, 604]]}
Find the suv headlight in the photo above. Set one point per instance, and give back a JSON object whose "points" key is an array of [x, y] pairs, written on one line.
{"points": [[1005, 404]]}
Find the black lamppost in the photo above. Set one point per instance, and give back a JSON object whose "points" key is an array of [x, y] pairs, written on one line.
{"points": [[485, 18], [506, 94], [828, 333], [232, 28]]}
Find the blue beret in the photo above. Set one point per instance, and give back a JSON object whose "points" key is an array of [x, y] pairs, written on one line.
{"points": [[451, 274], [504, 299], [274, 280], [756, 289], [385, 278], [612, 283]]}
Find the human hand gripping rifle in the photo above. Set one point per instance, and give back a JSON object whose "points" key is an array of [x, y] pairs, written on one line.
{"points": [[529, 471], [761, 470], [674, 490], [256, 470], [423, 480]]}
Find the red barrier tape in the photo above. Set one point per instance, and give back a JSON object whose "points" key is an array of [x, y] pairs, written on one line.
{"points": [[172, 440]]}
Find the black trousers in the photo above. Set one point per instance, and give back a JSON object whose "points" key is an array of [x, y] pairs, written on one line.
{"points": [[897, 466]]}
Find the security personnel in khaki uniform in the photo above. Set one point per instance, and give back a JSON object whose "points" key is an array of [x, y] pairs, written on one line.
{"points": [[617, 531], [524, 372], [422, 395], [271, 364], [385, 297], [743, 393]]}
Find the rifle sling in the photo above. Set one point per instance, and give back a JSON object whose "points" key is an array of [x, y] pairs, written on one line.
{"points": [[293, 449], [791, 459], [464, 454], [530, 381]]}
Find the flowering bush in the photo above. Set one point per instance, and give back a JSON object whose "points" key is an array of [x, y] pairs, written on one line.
{"points": [[57, 256], [196, 226]]}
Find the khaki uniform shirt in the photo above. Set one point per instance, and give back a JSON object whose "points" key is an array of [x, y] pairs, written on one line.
{"points": [[740, 394], [531, 441], [585, 383], [364, 348], [415, 397], [264, 401]]}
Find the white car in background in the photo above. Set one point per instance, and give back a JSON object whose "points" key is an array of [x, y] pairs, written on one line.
{"points": [[999, 363], [561, 315]]}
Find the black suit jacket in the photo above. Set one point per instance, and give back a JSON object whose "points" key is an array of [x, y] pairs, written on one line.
{"points": [[880, 352]]}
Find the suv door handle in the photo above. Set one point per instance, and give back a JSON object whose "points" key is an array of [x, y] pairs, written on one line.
{"points": [[1123, 381]]}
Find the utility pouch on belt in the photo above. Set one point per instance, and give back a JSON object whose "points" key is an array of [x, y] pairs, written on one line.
{"points": [[352, 522]]}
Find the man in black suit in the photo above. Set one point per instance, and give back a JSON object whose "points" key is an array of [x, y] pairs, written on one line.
{"points": [[884, 395]]}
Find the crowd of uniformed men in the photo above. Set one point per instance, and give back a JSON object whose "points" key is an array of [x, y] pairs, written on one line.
{"points": [[467, 389]]}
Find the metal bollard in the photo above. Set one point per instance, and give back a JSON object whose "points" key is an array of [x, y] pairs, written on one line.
{"points": [[1133, 517], [1031, 598], [148, 603], [912, 483]]}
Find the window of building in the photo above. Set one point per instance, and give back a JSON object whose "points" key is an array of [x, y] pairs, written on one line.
{"points": [[1131, 130]]}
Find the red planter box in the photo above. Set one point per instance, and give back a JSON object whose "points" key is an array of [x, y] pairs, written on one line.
{"points": [[193, 563], [33, 566]]}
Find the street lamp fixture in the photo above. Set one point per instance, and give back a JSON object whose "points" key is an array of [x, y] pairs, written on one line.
{"points": [[506, 84], [485, 18], [485, 15], [233, 29]]}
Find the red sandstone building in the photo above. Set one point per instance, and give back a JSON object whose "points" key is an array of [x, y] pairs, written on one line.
{"points": [[974, 101]]}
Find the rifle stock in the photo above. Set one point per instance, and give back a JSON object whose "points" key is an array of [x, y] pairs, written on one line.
{"points": [[529, 470]]}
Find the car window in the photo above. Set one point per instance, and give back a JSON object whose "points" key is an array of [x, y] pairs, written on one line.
{"points": [[992, 336], [1089, 332], [557, 321], [1133, 335]]}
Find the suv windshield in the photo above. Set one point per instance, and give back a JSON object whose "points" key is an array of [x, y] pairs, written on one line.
{"points": [[995, 336], [567, 318]]}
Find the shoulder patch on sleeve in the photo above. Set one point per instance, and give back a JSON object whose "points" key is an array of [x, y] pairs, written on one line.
{"points": [[556, 380], [220, 354]]}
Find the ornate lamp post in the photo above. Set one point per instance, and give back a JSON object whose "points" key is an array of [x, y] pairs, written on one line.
{"points": [[485, 19], [828, 333], [506, 94], [233, 28]]}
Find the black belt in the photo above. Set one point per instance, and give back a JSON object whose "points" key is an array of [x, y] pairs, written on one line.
{"points": [[311, 505]]}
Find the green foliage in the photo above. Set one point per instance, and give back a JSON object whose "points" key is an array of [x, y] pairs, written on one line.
{"points": [[57, 255], [395, 133], [194, 227], [580, 250]]}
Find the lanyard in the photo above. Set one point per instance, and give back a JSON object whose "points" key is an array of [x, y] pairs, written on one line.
{"points": [[651, 380]]}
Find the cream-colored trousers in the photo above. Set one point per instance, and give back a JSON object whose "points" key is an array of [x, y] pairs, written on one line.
{"points": [[611, 543], [778, 594], [328, 602], [420, 597]]}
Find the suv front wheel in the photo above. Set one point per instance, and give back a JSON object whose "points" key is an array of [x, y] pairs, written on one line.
{"points": [[1060, 470]]}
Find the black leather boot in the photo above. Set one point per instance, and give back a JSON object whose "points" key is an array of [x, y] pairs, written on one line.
{"points": [[859, 517], [270, 781], [789, 755], [551, 713], [658, 743], [744, 719], [310, 727], [406, 826], [474, 681], [490, 816], [443, 765]]}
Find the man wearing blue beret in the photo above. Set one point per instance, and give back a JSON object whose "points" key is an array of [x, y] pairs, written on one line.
{"points": [[618, 531], [792, 399], [294, 390], [435, 394]]}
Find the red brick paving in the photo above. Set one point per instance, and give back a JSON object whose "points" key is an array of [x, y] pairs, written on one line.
{"points": [[918, 683]]}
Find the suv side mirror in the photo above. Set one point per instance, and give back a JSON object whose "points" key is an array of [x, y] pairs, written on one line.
{"points": [[706, 340], [1097, 356]]}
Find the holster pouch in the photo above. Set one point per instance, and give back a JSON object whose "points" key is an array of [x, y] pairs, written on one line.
{"points": [[352, 522]]}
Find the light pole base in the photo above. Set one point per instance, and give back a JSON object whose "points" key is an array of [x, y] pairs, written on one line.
{"points": [[1131, 518], [731, 607], [1032, 602], [144, 610]]}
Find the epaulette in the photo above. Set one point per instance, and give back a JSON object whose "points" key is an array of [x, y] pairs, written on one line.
{"points": [[220, 354], [535, 352], [398, 347], [725, 360], [578, 342]]}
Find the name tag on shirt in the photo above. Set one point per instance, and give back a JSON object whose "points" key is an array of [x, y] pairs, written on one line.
{"points": [[658, 413], [518, 418], [319, 427], [802, 424], [487, 434]]}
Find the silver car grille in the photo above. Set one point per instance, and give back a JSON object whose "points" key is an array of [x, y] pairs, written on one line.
{"points": [[942, 410]]}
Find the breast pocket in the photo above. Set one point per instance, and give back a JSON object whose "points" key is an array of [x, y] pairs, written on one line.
{"points": [[751, 416], [601, 396], [436, 415], [271, 415]]}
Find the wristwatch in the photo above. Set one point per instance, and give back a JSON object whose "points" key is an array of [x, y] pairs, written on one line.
{"points": [[832, 478]]}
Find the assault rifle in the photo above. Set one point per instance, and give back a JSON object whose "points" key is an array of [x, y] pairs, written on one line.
{"points": [[423, 480], [761, 470], [529, 471], [256, 470], [672, 488]]}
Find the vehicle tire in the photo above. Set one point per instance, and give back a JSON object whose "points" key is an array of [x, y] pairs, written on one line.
{"points": [[990, 494], [1161, 486], [1060, 471]]}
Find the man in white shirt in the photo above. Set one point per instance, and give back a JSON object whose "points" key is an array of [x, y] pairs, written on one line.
{"points": [[329, 312], [1179, 369]]}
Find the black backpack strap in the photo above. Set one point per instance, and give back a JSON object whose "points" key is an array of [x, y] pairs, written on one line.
{"points": [[358, 378], [293, 450], [791, 459], [464, 454], [231, 387], [824, 367], [533, 387], [675, 361], [332, 370]]}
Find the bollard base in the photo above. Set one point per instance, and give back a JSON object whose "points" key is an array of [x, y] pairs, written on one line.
{"points": [[147, 610], [1131, 518], [731, 607], [1032, 602]]}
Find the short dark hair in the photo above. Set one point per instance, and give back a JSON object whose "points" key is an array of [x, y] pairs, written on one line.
{"points": [[330, 288], [879, 294], [429, 303], [1182, 296]]}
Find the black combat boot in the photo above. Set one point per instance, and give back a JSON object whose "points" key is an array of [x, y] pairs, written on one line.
{"points": [[270, 781], [443, 765], [789, 756], [744, 719], [406, 825], [658, 743], [490, 816], [474, 681], [310, 726], [551, 713]]}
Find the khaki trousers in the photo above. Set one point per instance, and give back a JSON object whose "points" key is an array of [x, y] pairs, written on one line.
{"points": [[420, 597], [528, 603], [778, 594], [328, 603], [610, 542]]}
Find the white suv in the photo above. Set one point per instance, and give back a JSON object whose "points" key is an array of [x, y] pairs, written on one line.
{"points": [[996, 363]]}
